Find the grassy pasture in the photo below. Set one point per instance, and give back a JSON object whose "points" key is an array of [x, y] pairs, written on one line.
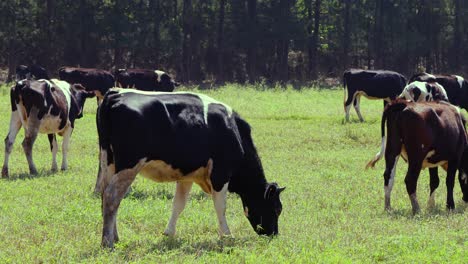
{"points": [[332, 207]]}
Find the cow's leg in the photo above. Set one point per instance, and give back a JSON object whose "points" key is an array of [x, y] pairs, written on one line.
{"points": [[219, 199], [54, 149], [434, 183], [347, 104], [411, 181], [450, 182], [15, 126], [65, 146], [178, 205], [389, 178], [357, 105], [112, 195], [31, 132]]}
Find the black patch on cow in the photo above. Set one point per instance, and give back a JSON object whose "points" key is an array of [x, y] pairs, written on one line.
{"points": [[416, 94]]}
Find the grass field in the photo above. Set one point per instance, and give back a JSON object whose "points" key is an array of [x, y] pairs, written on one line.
{"points": [[332, 207]]}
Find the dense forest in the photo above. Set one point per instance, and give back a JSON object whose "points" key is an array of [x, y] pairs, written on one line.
{"points": [[237, 40]]}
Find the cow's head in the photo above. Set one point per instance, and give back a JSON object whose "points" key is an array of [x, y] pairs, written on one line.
{"points": [[22, 72], [165, 82], [263, 212], [79, 95]]}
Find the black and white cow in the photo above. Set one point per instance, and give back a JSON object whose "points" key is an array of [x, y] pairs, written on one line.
{"points": [[94, 80], [47, 107], [35, 72], [455, 86], [424, 92], [145, 80], [372, 84], [182, 137], [425, 135]]}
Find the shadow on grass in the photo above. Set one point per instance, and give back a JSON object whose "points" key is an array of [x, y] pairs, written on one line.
{"points": [[28, 176], [221, 245], [426, 213]]}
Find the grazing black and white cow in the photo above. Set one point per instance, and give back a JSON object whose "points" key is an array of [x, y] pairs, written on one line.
{"points": [[424, 92], [372, 84], [95, 80], [455, 86], [182, 137], [145, 80], [425, 135], [47, 107], [35, 72]]}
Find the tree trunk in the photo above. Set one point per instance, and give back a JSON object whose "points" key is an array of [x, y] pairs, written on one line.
{"points": [[457, 36], [252, 40], [187, 40], [282, 47], [220, 42], [347, 33], [378, 37], [155, 11]]}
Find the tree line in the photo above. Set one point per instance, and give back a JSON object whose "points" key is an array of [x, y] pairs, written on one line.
{"points": [[237, 40]]}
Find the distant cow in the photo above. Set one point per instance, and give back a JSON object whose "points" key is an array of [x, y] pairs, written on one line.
{"points": [[373, 84], [47, 107], [145, 80], [455, 86], [35, 72], [96, 80], [182, 137], [426, 135], [424, 92]]}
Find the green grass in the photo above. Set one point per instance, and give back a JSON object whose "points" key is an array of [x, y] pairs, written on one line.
{"points": [[332, 207]]}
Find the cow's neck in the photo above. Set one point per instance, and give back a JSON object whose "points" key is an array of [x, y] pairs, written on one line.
{"points": [[249, 181]]}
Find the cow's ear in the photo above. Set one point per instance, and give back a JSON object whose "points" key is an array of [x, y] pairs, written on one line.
{"points": [[271, 189], [280, 190]]}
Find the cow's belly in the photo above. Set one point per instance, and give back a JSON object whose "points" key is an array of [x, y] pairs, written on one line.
{"points": [[372, 97], [159, 171], [425, 163], [50, 124]]}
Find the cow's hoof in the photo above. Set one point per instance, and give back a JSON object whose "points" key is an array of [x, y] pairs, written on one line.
{"points": [[33, 171], [169, 233], [4, 172]]}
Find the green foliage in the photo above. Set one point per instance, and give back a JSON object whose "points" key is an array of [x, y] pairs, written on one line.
{"points": [[332, 207]]}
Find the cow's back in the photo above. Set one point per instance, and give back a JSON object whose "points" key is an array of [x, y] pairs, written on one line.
{"points": [[179, 129]]}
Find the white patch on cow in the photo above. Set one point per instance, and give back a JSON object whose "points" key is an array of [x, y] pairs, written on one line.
{"points": [[50, 124], [431, 76], [159, 74], [388, 189], [160, 171], [178, 205], [408, 92], [246, 211], [427, 164], [219, 200], [206, 100], [206, 103], [460, 80], [464, 178], [65, 87], [431, 201], [422, 146]]}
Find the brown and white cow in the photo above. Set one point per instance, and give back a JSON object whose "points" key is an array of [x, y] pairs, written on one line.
{"points": [[47, 107], [145, 80], [96, 80], [425, 135]]}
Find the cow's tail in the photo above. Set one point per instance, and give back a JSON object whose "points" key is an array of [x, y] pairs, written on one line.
{"points": [[396, 106], [103, 123], [379, 154]]}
